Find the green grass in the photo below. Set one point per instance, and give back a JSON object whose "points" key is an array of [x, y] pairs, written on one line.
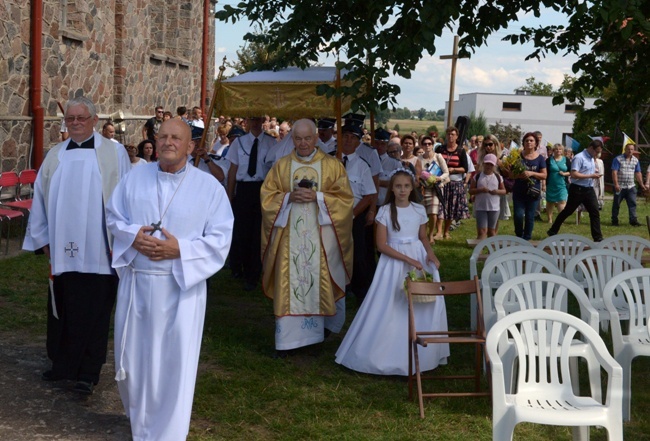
{"points": [[406, 126], [244, 394]]}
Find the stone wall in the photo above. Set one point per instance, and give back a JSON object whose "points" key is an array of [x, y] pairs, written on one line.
{"points": [[108, 50]]}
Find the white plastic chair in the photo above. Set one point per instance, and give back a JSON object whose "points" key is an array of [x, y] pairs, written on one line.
{"points": [[634, 246], [550, 291], [632, 287], [489, 245], [498, 269], [593, 269], [565, 246], [542, 340]]}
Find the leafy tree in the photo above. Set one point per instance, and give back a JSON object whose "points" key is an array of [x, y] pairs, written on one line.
{"points": [[440, 114], [477, 124], [422, 113], [382, 116], [384, 37], [255, 56], [432, 129], [537, 87], [616, 34], [401, 113], [505, 134], [396, 127]]}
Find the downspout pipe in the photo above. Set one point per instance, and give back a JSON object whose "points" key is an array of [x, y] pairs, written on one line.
{"points": [[204, 56], [35, 96]]}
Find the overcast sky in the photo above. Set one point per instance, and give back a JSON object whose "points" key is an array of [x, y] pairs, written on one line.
{"points": [[498, 67]]}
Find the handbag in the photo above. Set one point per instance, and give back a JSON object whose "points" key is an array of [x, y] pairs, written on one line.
{"points": [[533, 192]]}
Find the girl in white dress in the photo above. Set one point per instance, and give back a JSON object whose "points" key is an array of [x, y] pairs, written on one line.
{"points": [[377, 341]]}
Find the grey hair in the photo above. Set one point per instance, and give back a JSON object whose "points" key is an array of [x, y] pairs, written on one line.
{"points": [[306, 122], [394, 143], [82, 101]]}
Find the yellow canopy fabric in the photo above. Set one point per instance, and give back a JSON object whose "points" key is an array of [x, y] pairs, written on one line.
{"points": [[288, 94]]}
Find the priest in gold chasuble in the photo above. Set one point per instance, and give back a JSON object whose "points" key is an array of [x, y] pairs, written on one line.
{"points": [[306, 241]]}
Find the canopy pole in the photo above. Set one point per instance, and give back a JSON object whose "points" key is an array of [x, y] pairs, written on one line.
{"points": [[339, 128], [222, 68]]}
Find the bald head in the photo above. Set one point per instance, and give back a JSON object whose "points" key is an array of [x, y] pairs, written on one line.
{"points": [[173, 143]]}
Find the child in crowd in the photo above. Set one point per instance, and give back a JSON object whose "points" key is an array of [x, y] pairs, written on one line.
{"points": [[487, 186], [376, 342]]}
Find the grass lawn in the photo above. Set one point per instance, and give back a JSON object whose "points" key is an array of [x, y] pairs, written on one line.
{"points": [[408, 125], [244, 394]]}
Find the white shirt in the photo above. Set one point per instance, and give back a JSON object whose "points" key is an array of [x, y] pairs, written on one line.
{"points": [[359, 176], [239, 154]]}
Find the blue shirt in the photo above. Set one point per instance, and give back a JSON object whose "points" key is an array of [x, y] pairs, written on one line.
{"points": [[584, 164]]}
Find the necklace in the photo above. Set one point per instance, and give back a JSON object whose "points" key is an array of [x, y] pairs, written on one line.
{"points": [[156, 225]]}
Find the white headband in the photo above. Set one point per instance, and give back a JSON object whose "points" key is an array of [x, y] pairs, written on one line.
{"points": [[403, 170]]}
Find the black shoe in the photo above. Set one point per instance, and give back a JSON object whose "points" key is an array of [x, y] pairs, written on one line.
{"points": [[84, 387], [280, 355], [538, 218], [237, 275], [614, 223], [635, 223], [249, 286], [551, 233], [50, 376]]}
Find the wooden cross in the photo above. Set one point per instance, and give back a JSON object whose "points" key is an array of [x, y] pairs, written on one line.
{"points": [[453, 57]]}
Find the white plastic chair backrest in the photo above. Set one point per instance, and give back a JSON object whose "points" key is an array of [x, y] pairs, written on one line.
{"points": [[521, 249], [505, 267], [542, 291], [546, 368], [564, 246], [594, 268], [634, 246], [631, 287], [492, 244]]}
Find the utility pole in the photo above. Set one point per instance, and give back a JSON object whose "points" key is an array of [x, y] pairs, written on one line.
{"points": [[454, 58]]}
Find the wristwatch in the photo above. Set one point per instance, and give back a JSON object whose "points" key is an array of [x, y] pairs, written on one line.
{"points": [[207, 161]]}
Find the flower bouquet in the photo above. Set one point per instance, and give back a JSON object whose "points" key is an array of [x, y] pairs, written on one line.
{"points": [[428, 179], [423, 277], [514, 163]]}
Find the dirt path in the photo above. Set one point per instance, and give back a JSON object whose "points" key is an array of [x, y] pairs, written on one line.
{"points": [[34, 410]]}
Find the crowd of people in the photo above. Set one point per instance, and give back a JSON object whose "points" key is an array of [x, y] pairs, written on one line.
{"points": [[285, 203]]}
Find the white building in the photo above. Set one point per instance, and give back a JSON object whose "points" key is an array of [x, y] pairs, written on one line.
{"points": [[530, 112]]}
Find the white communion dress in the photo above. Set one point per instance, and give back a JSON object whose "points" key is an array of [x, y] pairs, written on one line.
{"points": [[377, 341]]}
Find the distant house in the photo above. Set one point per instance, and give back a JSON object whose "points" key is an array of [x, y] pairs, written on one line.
{"points": [[530, 112], [123, 55]]}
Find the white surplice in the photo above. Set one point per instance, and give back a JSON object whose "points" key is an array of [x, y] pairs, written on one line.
{"points": [[67, 210], [161, 305]]}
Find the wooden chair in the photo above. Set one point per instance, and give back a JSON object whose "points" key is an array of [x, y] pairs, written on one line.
{"points": [[424, 338]]}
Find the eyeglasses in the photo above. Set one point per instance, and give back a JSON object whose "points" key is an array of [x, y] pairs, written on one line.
{"points": [[160, 111], [488, 144], [81, 119], [427, 143], [392, 152]]}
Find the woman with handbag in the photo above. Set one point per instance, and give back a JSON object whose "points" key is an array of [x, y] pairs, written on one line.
{"points": [[527, 189], [558, 169]]}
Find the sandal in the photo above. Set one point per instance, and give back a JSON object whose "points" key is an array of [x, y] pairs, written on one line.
{"points": [[447, 236]]}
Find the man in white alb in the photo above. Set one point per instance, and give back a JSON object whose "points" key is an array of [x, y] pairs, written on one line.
{"points": [[172, 225], [67, 224]]}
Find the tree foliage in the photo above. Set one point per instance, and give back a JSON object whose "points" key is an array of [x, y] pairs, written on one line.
{"points": [[255, 56], [506, 133], [477, 124], [383, 37], [537, 88]]}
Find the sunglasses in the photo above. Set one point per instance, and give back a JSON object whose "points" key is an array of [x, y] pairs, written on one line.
{"points": [[488, 144], [391, 152]]}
